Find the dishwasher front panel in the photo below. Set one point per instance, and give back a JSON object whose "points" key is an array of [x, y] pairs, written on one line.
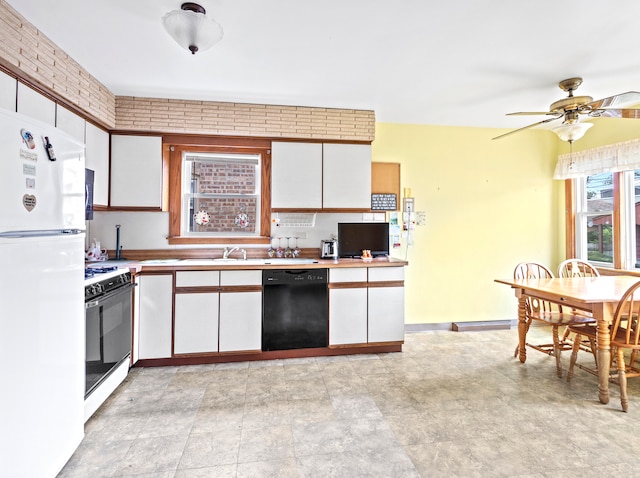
{"points": [[295, 309]]}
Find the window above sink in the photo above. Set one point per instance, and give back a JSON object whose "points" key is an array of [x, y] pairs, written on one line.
{"points": [[219, 190]]}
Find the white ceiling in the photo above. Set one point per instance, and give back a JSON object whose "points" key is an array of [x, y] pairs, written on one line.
{"points": [[455, 62]]}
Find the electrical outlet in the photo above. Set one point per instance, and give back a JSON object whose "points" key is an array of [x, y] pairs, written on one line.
{"points": [[300, 234]]}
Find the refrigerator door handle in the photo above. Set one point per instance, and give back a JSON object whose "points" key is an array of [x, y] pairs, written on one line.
{"points": [[40, 233]]}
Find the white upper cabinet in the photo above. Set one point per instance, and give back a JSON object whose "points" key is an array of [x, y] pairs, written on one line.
{"points": [[136, 171], [346, 176], [97, 159], [70, 123], [296, 175], [320, 176], [32, 103], [8, 89]]}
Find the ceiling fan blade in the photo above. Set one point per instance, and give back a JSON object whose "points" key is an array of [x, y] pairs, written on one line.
{"points": [[530, 126], [628, 98], [616, 113], [521, 113]]}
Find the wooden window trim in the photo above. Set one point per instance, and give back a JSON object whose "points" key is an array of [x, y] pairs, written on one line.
{"points": [[570, 220], [173, 148]]}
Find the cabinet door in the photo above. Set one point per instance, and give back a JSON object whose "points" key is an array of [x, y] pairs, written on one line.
{"points": [[8, 88], [97, 159], [348, 316], [240, 321], [296, 175], [136, 171], [32, 103], [196, 323], [346, 176], [155, 316], [70, 123], [386, 314]]}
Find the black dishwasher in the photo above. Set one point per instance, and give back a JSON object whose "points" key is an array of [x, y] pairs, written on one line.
{"points": [[295, 309]]}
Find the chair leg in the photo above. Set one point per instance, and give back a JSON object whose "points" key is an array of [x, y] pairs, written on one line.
{"points": [[574, 355], [622, 378], [594, 350], [565, 334], [556, 350]]}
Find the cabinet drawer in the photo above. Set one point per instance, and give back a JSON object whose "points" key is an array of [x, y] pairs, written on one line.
{"points": [[358, 274], [240, 278], [382, 274], [197, 278]]}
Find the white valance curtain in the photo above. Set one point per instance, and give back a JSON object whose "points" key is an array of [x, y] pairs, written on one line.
{"points": [[623, 156]]}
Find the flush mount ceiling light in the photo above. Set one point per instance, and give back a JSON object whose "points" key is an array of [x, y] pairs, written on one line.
{"points": [[191, 28]]}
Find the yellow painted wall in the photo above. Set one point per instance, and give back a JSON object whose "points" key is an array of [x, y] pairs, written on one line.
{"points": [[489, 205]]}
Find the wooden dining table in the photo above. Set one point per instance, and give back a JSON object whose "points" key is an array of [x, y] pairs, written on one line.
{"points": [[598, 295]]}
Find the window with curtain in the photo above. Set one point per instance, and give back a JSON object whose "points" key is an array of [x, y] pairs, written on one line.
{"points": [[606, 188]]}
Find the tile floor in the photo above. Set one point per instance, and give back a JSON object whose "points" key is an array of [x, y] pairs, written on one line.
{"points": [[451, 404]]}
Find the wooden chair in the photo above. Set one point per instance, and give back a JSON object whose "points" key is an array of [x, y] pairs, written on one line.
{"points": [[548, 313], [578, 268], [625, 337]]}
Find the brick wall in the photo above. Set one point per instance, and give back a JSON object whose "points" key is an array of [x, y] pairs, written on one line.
{"points": [[32, 56], [238, 119], [226, 212]]}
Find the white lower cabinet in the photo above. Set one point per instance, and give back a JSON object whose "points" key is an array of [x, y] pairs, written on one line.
{"points": [[386, 314], [240, 311], [366, 305], [215, 311], [348, 316], [155, 293], [348, 306], [386, 304], [240, 321], [196, 323]]}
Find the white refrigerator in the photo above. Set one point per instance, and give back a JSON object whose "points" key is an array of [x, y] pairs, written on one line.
{"points": [[41, 297]]}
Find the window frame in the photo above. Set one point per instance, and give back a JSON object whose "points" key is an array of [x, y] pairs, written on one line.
{"points": [[622, 254], [173, 149]]}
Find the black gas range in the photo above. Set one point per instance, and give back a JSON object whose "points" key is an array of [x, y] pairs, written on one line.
{"points": [[100, 280]]}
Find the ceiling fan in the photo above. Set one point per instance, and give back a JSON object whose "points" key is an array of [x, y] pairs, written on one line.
{"points": [[571, 107]]}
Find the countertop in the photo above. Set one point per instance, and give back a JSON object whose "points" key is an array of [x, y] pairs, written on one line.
{"points": [[249, 264]]}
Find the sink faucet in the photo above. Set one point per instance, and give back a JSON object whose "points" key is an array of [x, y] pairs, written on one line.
{"points": [[227, 252]]}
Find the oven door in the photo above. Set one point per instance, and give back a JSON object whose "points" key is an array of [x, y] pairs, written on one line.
{"points": [[108, 334]]}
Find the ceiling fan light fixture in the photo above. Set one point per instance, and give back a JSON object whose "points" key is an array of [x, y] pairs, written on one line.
{"points": [[191, 28], [571, 131]]}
